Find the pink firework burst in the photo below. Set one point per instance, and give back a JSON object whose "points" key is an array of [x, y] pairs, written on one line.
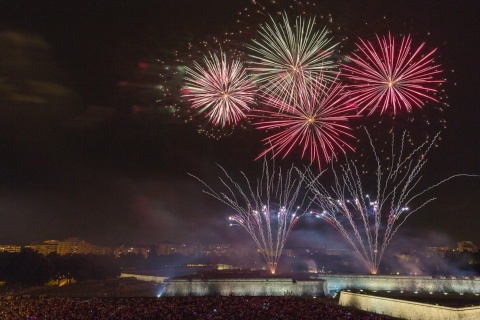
{"points": [[316, 122], [388, 76], [220, 91]]}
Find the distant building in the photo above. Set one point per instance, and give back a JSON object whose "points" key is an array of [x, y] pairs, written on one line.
{"points": [[188, 249], [289, 252], [46, 247], [218, 249], [297, 251], [68, 246], [10, 248], [73, 246], [338, 251], [440, 251], [100, 250], [167, 248], [467, 246], [124, 250]]}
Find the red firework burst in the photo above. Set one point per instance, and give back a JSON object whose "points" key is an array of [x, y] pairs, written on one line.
{"points": [[316, 121], [388, 76]]}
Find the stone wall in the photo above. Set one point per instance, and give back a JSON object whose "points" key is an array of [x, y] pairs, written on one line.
{"points": [[399, 283], [406, 309], [242, 287], [142, 277], [323, 284]]}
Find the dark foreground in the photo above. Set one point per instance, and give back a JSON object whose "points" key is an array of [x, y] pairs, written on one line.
{"points": [[224, 308]]}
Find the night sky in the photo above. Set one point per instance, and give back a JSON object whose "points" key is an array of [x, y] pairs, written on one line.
{"points": [[75, 159]]}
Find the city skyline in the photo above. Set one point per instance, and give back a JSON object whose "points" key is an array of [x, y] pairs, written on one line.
{"points": [[81, 152], [166, 247], [168, 258]]}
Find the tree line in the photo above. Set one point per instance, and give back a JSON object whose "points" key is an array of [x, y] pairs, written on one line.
{"points": [[29, 268]]}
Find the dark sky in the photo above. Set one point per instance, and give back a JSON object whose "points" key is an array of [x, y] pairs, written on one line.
{"points": [[76, 161]]}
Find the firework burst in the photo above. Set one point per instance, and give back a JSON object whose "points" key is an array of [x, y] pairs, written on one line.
{"points": [[315, 122], [220, 91], [268, 210], [392, 77], [286, 56], [367, 222]]}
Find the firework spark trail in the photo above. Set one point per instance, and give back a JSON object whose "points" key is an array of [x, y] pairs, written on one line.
{"points": [[345, 203], [221, 91], [390, 77], [267, 210], [317, 122], [285, 56]]}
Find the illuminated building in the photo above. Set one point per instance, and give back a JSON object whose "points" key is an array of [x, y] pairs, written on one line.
{"points": [[68, 246], [124, 250], [440, 251], [167, 248], [100, 250], [45, 248], [186, 249], [196, 249], [73, 246], [219, 249], [10, 248], [467, 246]]}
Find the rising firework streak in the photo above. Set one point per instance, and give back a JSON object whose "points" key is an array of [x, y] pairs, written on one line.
{"points": [[266, 208], [368, 222]]}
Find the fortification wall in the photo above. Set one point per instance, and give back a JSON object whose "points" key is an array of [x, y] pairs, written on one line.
{"points": [[399, 283], [406, 309], [241, 287], [142, 277]]}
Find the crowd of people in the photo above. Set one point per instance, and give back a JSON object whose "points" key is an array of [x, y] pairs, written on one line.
{"points": [[37, 308]]}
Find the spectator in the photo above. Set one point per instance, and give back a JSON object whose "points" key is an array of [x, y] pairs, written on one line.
{"points": [[171, 308]]}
